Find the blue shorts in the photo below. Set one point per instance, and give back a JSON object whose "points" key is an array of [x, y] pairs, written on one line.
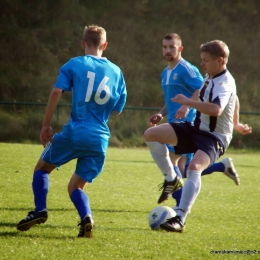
{"points": [[191, 139], [89, 163]]}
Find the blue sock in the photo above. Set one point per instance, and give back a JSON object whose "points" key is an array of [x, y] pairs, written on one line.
{"points": [[177, 194], [216, 167], [40, 186], [81, 202]]}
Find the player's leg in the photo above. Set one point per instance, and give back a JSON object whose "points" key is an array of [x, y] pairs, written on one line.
{"points": [[186, 163], [208, 151], [50, 158], [193, 183], [40, 186], [190, 192], [156, 138], [183, 164], [175, 159], [81, 202], [225, 166], [215, 167], [88, 168]]}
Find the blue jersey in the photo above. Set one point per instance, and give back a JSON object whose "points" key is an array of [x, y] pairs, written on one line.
{"points": [[98, 87], [184, 79]]}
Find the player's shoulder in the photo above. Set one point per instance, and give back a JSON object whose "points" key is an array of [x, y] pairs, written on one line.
{"points": [[188, 68], [225, 82], [112, 64], [165, 70], [96, 61], [75, 61], [229, 76], [225, 77], [187, 65]]}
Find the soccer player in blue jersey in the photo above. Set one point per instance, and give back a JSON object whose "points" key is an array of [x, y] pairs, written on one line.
{"points": [[98, 92], [181, 77], [208, 138]]}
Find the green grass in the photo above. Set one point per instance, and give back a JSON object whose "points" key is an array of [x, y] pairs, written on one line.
{"points": [[224, 217]]}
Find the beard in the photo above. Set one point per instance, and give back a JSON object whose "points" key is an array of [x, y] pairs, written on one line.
{"points": [[168, 57]]}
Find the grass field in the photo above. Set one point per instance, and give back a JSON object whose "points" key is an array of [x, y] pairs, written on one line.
{"points": [[224, 217]]}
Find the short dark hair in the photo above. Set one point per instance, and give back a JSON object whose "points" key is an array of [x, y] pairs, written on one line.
{"points": [[172, 36]]}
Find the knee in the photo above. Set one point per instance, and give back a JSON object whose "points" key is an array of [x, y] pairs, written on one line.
{"points": [[148, 135], [43, 166], [70, 189], [194, 166]]}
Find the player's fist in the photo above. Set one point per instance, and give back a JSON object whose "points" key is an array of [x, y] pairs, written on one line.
{"points": [[155, 119], [243, 129], [46, 135]]}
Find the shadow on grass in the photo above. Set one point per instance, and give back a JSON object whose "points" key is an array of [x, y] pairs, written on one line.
{"points": [[30, 209], [28, 235], [8, 224], [72, 209], [36, 228]]}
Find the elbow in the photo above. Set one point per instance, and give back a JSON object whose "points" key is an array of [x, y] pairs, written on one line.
{"points": [[219, 113], [216, 112], [115, 113], [56, 91]]}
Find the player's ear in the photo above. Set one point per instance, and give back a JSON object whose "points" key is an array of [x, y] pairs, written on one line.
{"points": [[83, 44], [180, 48], [104, 46], [221, 60]]}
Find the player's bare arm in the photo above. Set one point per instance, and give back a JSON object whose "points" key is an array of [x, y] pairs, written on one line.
{"points": [[46, 131], [206, 108], [184, 109], [182, 112], [243, 129]]}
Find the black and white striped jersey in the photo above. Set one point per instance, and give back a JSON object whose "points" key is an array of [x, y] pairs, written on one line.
{"points": [[221, 90]]}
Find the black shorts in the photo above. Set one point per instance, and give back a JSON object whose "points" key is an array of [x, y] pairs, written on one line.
{"points": [[191, 139]]}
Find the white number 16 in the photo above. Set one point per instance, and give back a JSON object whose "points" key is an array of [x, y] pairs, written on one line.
{"points": [[102, 87]]}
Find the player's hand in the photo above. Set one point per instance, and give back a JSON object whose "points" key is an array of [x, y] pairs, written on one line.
{"points": [[46, 135], [243, 129], [182, 112], [181, 99], [155, 119]]}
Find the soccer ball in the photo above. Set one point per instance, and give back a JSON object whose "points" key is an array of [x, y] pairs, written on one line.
{"points": [[159, 215]]}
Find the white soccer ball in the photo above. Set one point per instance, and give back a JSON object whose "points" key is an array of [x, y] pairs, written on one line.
{"points": [[159, 215]]}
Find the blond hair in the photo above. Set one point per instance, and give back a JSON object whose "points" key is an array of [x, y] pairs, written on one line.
{"points": [[94, 36]]}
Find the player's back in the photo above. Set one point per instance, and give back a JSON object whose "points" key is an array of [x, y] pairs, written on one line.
{"points": [[97, 87]]}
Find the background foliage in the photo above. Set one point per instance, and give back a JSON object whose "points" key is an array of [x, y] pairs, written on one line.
{"points": [[37, 37]]}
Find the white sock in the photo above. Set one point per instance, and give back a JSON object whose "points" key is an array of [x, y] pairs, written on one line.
{"points": [[190, 191], [160, 154]]}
